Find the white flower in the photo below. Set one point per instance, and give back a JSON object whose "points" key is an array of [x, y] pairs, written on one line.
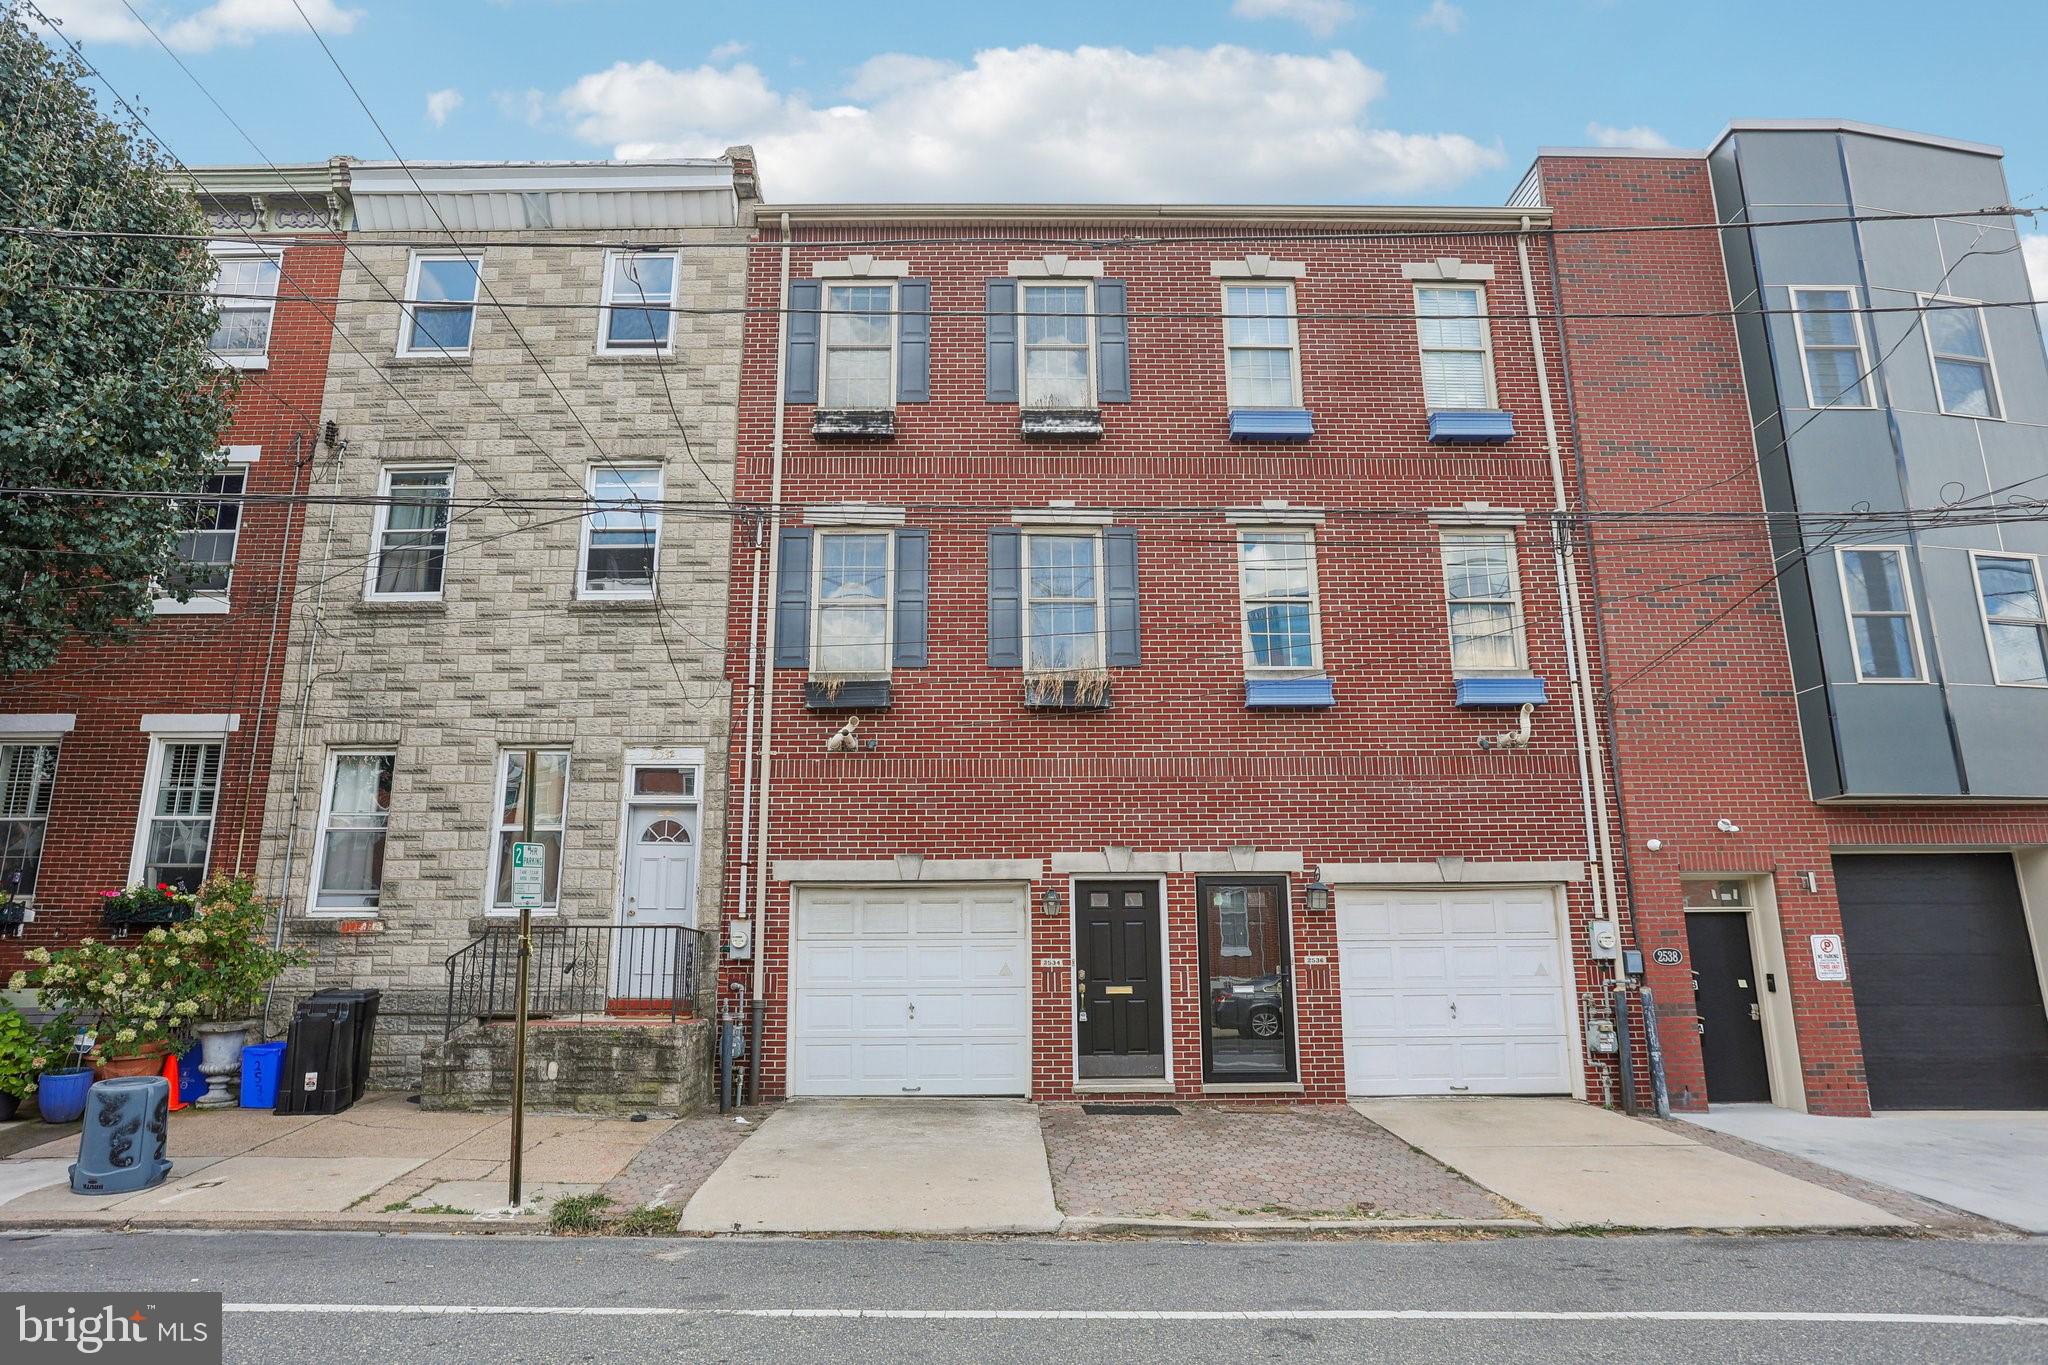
{"points": [[126, 1035], [18, 981], [120, 978]]}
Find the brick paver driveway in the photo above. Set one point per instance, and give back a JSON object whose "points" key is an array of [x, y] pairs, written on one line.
{"points": [[1228, 1163]]}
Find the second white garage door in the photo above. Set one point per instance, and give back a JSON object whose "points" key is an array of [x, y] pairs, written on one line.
{"points": [[1459, 992], [911, 991]]}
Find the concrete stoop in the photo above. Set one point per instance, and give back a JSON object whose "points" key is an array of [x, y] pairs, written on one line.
{"points": [[599, 1066]]}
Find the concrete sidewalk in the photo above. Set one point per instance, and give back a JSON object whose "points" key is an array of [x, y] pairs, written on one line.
{"points": [[1574, 1165]]}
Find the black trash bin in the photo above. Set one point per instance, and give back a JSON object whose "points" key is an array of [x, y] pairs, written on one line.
{"points": [[319, 1058], [365, 1001]]}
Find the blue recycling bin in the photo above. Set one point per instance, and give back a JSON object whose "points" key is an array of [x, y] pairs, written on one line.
{"points": [[122, 1147], [192, 1082], [261, 1064]]}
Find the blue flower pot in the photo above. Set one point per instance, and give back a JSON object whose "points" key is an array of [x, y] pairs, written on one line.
{"points": [[60, 1095]]}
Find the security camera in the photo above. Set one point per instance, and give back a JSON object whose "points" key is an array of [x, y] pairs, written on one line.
{"points": [[843, 740]]}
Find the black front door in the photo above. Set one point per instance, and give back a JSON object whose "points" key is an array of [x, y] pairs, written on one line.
{"points": [[1247, 1012], [1731, 1015], [1120, 995]]}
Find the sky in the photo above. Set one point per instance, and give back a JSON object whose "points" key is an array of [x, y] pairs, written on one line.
{"points": [[1307, 101]]}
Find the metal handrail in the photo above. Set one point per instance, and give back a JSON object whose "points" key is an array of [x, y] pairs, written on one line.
{"points": [[579, 970]]}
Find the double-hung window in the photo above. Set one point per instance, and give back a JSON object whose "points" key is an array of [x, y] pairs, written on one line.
{"points": [[550, 818], [1484, 595], [1833, 353], [439, 312], [206, 545], [1063, 610], [28, 775], [409, 542], [1965, 381], [2015, 618], [639, 302], [244, 300], [850, 625], [1457, 347], [348, 872], [1277, 589], [1057, 372], [1259, 344], [860, 349], [1877, 592], [183, 796], [622, 533]]}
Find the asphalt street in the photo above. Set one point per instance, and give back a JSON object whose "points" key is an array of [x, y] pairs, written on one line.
{"points": [[346, 1297]]}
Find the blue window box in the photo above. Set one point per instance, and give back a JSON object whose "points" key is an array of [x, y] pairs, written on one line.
{"points": [[1271, 424], [1470, 428], [1304, 693], [1500, 691]]}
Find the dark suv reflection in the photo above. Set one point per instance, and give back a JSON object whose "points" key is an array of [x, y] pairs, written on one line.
{"points": [[1250, 1004]]}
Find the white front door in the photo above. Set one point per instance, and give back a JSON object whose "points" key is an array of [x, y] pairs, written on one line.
{"points": [[1453, 992], [911, 991], [660, 895]]}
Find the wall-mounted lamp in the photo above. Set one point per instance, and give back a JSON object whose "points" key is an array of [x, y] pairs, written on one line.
{"points": [[1049, 901], [1318, 896]]}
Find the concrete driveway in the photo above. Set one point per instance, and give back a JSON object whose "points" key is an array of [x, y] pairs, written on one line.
{"points": [[886, 1165], [1993, 1163]]}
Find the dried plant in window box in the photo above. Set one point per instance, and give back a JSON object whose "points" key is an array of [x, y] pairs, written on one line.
{"points": [[1071, 689]]}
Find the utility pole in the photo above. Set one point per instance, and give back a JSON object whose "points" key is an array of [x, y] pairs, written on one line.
{"points": [[526, 849]]}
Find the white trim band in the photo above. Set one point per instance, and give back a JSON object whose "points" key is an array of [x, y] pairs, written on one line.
{"points": [[212, 726], [39, 725], [1450, 872], [908, 867]]}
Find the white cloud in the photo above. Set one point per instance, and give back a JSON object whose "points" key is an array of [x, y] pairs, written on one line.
{"points": [[1320, 17], [527, 106], [442, 103], [1604, 135], [725, 52], [1443, 16], [232, 23], [1042, 123]]}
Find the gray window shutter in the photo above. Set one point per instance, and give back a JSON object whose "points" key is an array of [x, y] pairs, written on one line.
{"points": [[1005, 598], [800, 378], [913, 597], [793, 599], [1120, 580], [914, 341], [1112, 344], [1002, 341]]}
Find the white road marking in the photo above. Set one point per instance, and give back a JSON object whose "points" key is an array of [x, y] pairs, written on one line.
{"points": [[1155, 1314]]}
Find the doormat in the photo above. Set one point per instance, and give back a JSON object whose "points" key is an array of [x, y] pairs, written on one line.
{"points": [[1136, 1110]]}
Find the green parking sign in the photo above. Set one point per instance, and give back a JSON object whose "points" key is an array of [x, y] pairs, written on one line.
{"points": [[529, 875]]}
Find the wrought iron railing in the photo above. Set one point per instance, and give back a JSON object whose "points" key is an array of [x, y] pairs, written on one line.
{"points": [[579, 970]]}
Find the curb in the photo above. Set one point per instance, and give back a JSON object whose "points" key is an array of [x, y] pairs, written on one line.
{"points": [[1085, 1225]]}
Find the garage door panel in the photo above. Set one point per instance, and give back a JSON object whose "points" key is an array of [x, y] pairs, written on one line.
{"points": [[882, 916], [824, 1012], [1001, 918], [827, 918], [1420, 962], [1530, 916], [879, 962], [1419, 918], [1366, 964], [829, 963], [941, 917], [1365, 917], [1522, 963]]}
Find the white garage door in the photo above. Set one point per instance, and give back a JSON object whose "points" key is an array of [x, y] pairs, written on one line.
{"points": [[1460, 992], [911, 991]]}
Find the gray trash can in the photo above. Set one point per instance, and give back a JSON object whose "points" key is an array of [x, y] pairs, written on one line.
{"points": [[122, 1147]]}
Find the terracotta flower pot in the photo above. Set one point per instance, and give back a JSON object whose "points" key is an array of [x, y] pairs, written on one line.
{"points": [[146, 1063]]}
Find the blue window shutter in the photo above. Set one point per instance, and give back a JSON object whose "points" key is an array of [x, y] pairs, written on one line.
{"points": [[1112, 344], [793, 599], [913, 597], [1002, 341], [1120, 579], [1005, 598], [800, 378], [914, 341]]}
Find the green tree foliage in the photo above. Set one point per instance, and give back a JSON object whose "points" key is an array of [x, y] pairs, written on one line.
{"points": [[102, 391]]}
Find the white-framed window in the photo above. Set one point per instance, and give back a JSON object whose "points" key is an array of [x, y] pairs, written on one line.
{"points": [[1063, 608], [409, 535], [2015, 617], [1965, 378], [1834, 351], [206, 544], [438, 316], [639, 303], [1233, 921], [28, 777], [181, 795], [859, 355], [1457, 347], [1483, 591], [1259, 343], [852, 589], [245, 301], [550, 819], [355, 816], [1276, 575], [1884, 629], [1059, 371], [622, 533]]}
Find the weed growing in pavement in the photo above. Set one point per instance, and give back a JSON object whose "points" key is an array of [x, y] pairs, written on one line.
{"points": [[578, 1213], [647, 1221]]}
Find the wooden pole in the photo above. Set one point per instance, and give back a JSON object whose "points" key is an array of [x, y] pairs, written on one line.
{"points": [[520, 991]]}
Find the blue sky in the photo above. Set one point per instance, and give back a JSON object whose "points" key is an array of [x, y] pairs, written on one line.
{"points": [[1305, 100]]}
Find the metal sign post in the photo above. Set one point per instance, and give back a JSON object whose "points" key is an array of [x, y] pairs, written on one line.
{"points": [[529, 889]]}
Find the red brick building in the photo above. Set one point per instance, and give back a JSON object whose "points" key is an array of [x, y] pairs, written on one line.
{"points": [[149, 760], [1117, 739]]}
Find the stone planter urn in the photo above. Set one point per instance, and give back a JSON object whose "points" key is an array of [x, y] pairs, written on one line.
{"points": [[220, 1061]]}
